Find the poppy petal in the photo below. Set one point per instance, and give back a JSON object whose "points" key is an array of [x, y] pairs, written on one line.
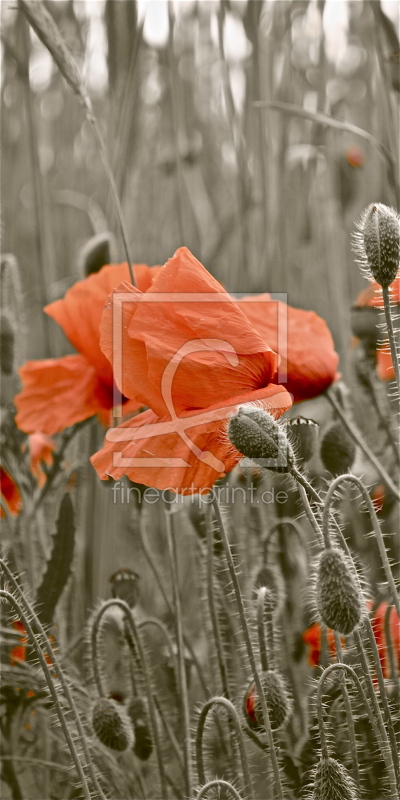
{"points": [[384, 363], [57, 393], [302, 339], [186, 454], [10, 494]]}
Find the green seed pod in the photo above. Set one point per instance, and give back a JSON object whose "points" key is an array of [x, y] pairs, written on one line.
{"points": [[303, 434], [338, 450], [380, 232], [338, 595], [279, 703], [137, 713], [256, 434], [331, 781], [271, 578], [7, 342], [111, 725], [96, 253]]}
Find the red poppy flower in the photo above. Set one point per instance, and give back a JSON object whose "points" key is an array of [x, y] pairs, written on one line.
{"points": [[313, 639], [41, 449], [18, 652], [371, 297], [378, 626], [10, 494], [192, 356], [59, 392]]}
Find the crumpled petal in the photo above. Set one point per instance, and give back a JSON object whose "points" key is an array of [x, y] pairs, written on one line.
{"points": [[302, 339], [57, 393], [178, 454], [41, 449], [184, 341]]}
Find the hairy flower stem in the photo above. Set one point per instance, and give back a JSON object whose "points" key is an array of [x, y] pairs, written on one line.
{"points": [[390, 650], [349, 715], [382, 735], [250, 652], [391, 336], [64, 685], [375, 522], [264, 619], [362, 444], [353, 675], [222, 665], [279, 525], [153, 566], [384, 699], [175, 122], [234, 717], [143, 661], [310, 515], [183, 691], [218, 783], [52, 689]]}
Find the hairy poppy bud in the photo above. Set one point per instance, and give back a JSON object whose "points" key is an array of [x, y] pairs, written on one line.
{"points": [[332, 782], [7, 340], [279, 703], [303, 434], [378, 242], [338, 595], [111, 725], [256, 434], [96, 253], [137, 713], [338, 450]]}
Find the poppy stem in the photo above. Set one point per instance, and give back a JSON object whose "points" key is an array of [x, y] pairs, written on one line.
{"points": [[250, 651], [218, 782], [184, 699], [349, 715], [234, 717], [390, 649], [392, 339], [263, 608], [223, 669], [362, 444], [52, 689]]}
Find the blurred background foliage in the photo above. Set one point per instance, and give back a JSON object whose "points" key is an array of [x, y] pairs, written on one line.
{"points": [[264, 197]]}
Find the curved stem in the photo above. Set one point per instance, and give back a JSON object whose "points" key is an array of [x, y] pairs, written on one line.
{"points": [[64, 685], [310, 515], [281, 522], [250, 652], [382, 736], [349, 715], [222, 701], [184, 699], [52, 689], [391, 337], [215, 783], [361, 443], [375, 522], [223, 669], [161, 627], [141, 654]]}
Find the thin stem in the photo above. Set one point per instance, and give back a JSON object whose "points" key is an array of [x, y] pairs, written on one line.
{"points": [[183, 694], [263, 605], [175, 123], [391, 336], [171, 736], [213, 613], [220, 783], [389, 646], [250, 652], [362, 444], [225, 703], [310, 515], [375, 522], [281, 522], [64, 685], [349, 715], [141, 654], [383, 737], [52, 689]]}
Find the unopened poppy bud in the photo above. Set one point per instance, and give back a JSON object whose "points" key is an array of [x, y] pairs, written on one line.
{"points": [[379, 245], [97, 253], [338, 595], [257, 435], [270, 577], [137, 713], [7, 341], [338, 449], [303, 434], [332, 782], [111, 725], [277, 698]]}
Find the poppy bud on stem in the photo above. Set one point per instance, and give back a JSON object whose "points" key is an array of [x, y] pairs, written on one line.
{"points": [[235, 721]]}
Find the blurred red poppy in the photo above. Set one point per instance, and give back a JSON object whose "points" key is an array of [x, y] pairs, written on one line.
{"points": [[192, 357], [18, 652], [41, 449], [371, 297], [378, 626], [59, 392], [10, 494], [313, 639]]}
